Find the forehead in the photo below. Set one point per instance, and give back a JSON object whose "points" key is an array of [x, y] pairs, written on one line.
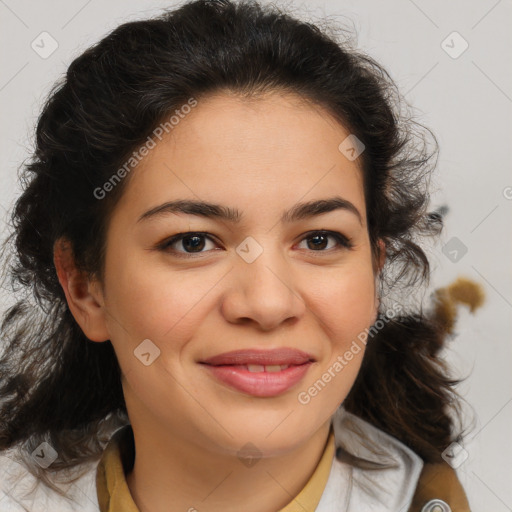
{"points": [[273, 149], [269, 126]]}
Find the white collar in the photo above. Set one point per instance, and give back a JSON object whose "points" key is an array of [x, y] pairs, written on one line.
{"points": [[371, 470]]}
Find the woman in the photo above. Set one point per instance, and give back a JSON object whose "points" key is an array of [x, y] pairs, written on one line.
{"points": [[218, 223]]}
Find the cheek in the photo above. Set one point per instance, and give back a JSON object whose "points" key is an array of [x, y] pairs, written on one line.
{"points": [[149, 301], [345, 303], [344, 307]]}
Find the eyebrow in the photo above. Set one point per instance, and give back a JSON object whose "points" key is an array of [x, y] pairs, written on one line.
{"points": [[216, 211]]}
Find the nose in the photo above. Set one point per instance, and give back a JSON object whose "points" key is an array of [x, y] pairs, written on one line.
{"points": [[263, 292]]}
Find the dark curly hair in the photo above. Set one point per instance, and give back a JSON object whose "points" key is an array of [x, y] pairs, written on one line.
{"points": [[58, 386]]}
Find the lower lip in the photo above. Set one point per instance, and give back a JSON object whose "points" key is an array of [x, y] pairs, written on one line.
{"points": [[261, 384]]}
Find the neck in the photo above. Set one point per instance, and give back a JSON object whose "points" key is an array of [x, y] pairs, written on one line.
{"points": [[169, 469]]}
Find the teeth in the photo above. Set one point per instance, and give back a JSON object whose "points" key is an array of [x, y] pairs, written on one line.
{"points": [[274, 368], [255, 368]]}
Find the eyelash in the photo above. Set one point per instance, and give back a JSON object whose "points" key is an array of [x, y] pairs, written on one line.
{"points": [[343, 241]]}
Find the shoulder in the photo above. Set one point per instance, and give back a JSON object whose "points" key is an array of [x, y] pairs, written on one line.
{"points": [[388, 475], [439, 482], [20, 491]]}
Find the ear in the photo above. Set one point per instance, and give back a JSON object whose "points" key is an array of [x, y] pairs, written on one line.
{"points": [[84, 297]]}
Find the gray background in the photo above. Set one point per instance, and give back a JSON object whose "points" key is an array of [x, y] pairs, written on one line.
{"points": [[466, 101]]}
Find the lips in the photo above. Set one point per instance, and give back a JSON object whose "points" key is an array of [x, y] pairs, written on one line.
{"points": [[260, 373], [266, 358]]}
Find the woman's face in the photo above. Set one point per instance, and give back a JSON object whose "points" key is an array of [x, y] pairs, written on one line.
{"points": [[263, 280]]}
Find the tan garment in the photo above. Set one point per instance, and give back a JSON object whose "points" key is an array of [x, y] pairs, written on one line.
{"points": [[439, 481]]}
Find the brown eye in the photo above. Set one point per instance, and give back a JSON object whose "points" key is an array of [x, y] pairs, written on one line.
{"points": [[193, 243], [319, 241], [187, 243]]}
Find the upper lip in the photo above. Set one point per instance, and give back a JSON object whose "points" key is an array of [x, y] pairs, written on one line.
{"points": [[278, 356]]}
